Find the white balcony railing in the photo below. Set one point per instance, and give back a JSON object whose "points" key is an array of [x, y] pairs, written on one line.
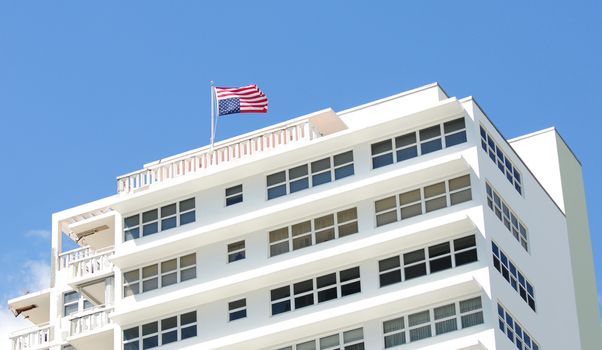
{"points": [[90, 320], [238, 148], [66, 258], [96, 263], [32, 338]]}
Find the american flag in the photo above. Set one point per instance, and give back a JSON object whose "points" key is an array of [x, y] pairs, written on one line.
{"points": [[244, 99]]}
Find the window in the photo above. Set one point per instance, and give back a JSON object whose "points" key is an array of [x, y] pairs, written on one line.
{"points": [[310, 175], [515, 332], [418, 143], [427, 323], [499, 158], [348, 340], [422, 200], [513, 276], [158, 333], [236, 251], [316, 290], [237, 309], [314, 231], [428, 260], [510, 220], [159, 275], [74, 302], [161, 219], [233, 195]]}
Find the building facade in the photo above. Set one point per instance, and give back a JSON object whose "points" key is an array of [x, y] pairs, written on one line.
{"points": [[405, 223]]}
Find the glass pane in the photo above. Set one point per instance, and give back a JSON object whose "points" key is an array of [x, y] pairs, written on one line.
{"points": [[167, 280], [420, 333], [233, 190], [326, 280], [415, 271], [429, 133], [320, 165], [279, 248], [150, 229], [168, 210], [411, 211], [150, 328], [237, 304], [327, 294], [151, 342], [188, 260], [466, 257], [453, 125], [169, 265], [236, 246], [150, 284], [279, 234], [385, 204], [389, 278], [434, 190], [349, 274], [304, 286], [440, 264], [280, 293], [460, 197], [343, 158], [439, 249], [445, 311], [393, 325], [414, 256], [446, 326], [187, 318], [188, 332], [343, 171], [149, 215], [187, 218], [187, 204], [301, 228], [169, 337], [348, 229], [236, 315], [459, 182], [419, 318], [430, 146], [434, 204], [70, 297], [70, 309], [298, 185], [409, 197], [381, 147], [277, 191], [276, 178], [303, 301], [407, 153], [310, 345], [131, 289], [455, 139], [395, 339], [470, 305], [131, 221], [130, 333], [472, 319], [166, 224], [347, 215], [297, 172], [149, 271], [464, 242], [387, 264], [131, 234], [330, 341], [280, 307], [325, 235], [188, 274], [234, 200], [353, 335], [169, 323], [321, 178], [324, 221], [382, 160], [405, 140]]}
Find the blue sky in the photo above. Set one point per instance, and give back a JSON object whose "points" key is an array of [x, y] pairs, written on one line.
{"points": [[89, 91]]}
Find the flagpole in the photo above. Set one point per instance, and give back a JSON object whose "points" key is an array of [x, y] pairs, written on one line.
{"points": [[212, 115]]}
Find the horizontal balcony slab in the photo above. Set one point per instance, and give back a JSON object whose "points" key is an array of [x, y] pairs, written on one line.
{"points": [[285, 268], [353, 311], [34, 306], [276, 212]]}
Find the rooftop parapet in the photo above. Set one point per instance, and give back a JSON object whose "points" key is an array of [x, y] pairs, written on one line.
{"points": [[296, 131]]}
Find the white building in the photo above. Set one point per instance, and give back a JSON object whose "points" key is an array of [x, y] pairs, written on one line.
{"points": [[404, 223]]}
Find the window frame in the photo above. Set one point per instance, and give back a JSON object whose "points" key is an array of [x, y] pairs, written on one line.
{"points": [[158, 220], [233, 196], [309, 174], [514, 276], [510, 220], [313, 231], [233, 255], [417, 144], [232, 311], [159, 275], [500, 158], [423, 200], [292, 296], [507, 320], [160, 331]]}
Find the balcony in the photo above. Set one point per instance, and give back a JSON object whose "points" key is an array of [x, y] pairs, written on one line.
{"points": [[297, 131], [32, 338], [91, 329], [85, 264]]}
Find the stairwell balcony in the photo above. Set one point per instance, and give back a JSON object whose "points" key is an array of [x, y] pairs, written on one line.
{"points": [[85, 264], [92, 329]]}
